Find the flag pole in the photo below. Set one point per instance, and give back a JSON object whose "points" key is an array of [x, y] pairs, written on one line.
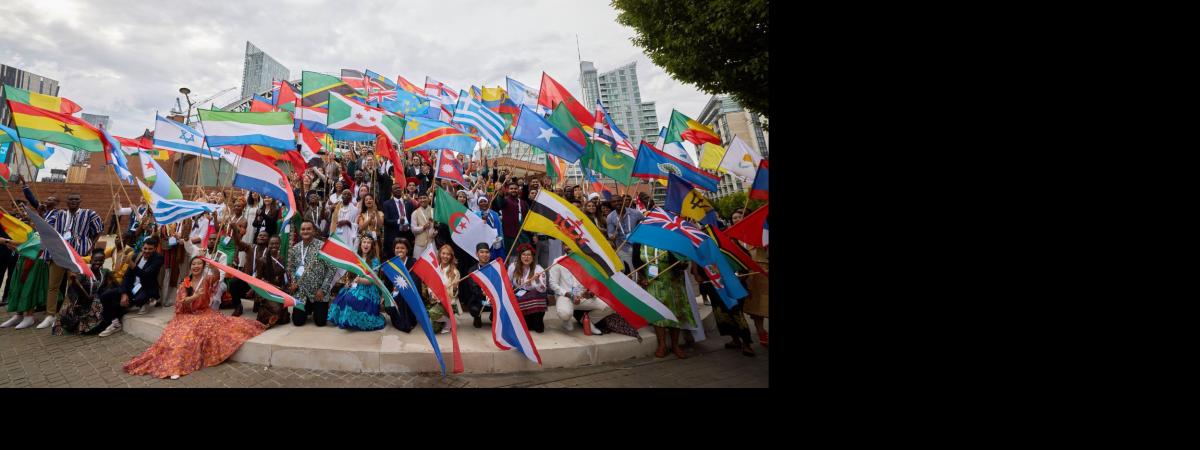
{"points": [[665, 270]]}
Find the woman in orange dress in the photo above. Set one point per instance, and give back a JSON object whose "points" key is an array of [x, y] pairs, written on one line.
{"points": [[197, 337]]}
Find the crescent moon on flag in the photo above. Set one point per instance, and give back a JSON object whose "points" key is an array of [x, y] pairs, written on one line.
{"points": [[604, 162]]}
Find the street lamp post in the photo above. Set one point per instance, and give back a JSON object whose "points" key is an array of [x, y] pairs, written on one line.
{"points": [[187, 118]]}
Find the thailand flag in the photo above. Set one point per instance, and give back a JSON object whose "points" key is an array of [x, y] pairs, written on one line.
{"points": [[509, 329]]}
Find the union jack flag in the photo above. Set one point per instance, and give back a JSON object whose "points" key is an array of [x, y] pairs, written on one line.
{"points": [[381, 94], [671, 222]]}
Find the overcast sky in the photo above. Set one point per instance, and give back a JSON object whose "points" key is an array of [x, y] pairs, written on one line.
{"points": [[127, 59]]}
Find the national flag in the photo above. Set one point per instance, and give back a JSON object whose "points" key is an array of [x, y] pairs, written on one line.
{"points": [[752, 229], [292, 157], [145, 143], [310, 145], [176, 137], [468, 111], [426, 269], [536, 131], [167, 212], [58, 248], [667, 231], [48, 126], [441, 98], [31, 248], [262, 104], [15, 229], [759, 189], [567, 125], [740, 159], [653, 163], [36, 152], [285, 96], [314, 119], [675, 149], [552, 93], [428, 134], [684, 128], [468, 228], [7, 135], [355, 79], [407, 86], [115, 157], [5, 173], [448, 168], [339, 254], [396, 272], [622, 294], [317, 87], [262, 288], [508, 329], [711, 156], [601, 158], [257, 173], [379, 86], [270, 129], [684, 200], [605, 130], [59, 105], [556, 168], [384, 148], [522, 95], [555, 217], [734, 252], [160, 182], [404, 103], [349, 115], [491, 98]]}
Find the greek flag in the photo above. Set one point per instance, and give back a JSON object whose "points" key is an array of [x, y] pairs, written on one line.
{"points": [[470, 112], [167, 212]]}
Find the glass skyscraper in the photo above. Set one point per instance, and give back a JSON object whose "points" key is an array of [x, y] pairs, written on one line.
{"points": [[259, 70]]}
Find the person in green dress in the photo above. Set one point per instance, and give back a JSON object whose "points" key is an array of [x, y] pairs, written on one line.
{"points": [[663, 278], [28, 285]]}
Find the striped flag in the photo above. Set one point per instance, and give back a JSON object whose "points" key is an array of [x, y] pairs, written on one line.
{"points": [[469, 111], [759, 190], [555, 217], [509, 329], [269, 129], [176, 137], [14, 228], [626, 298], [159, 181], [58, 248], [258, 173], [426, 270], [340, 255], [167, 212], [262, 288]]}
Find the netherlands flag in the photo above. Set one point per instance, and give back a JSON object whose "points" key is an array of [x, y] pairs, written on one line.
{"points": [[509, 329]]}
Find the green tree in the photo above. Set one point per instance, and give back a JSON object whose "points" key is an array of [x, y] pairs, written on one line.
{"points": [[721, 46], [725, 205]]}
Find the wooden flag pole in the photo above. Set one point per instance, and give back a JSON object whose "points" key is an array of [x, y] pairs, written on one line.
{"points": [[668, 269]]}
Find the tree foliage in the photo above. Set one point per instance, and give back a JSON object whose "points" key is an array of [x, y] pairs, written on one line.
{"points": [[725, 205], [721, 46]]}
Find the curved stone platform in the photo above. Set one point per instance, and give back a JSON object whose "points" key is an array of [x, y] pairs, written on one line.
{"points": [[390, 350]]}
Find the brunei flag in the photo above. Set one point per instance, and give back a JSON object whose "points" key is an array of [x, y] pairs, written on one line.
{"points": [[47, 102], [48, 126], [684, 128], [555, 217]]}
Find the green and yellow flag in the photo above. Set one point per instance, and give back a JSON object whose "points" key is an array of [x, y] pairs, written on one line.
{"points": [[47, 102], [48, 126]]}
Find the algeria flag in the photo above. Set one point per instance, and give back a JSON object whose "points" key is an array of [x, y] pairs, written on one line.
{"points": [[467, 229]]}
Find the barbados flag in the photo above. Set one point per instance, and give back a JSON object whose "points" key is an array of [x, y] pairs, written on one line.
{"points": [[509, 329]]}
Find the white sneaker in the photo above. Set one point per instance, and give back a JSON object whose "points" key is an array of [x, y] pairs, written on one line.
{"points": [[569, 324], [47, 323], [145, 308], [113, 328], [595, 330], [12, 321], [28, 322], [174, 377]]}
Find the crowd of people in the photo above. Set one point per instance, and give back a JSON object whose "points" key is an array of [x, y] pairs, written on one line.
{"points": [[355, 198]]}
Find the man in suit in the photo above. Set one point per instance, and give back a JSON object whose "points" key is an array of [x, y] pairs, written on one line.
{"points": [[397, 221], [138, 288]]}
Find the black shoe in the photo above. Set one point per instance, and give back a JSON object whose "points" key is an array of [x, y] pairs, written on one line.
{"points": [[478, 322]]}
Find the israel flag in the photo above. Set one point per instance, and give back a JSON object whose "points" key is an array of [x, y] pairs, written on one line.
{"points": [[470, 112], [176, 137]]}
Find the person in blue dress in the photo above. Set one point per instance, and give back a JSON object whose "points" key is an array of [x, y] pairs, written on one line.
{"points": [[357, 305]]}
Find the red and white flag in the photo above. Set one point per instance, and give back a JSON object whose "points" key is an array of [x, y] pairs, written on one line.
{"points": [[426, 269], [58, 248], [449, 168]]}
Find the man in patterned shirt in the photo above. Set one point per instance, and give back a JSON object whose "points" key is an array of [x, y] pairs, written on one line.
{"points": [[311, 277], [79, 227]]}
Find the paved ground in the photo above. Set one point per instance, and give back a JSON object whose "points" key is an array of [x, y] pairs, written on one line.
{"points": [[34, 358]]}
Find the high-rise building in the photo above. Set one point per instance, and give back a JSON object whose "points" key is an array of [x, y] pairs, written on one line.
{"points": [[15, 77], [618, 89], [82, 157], [729, 119], [259, 70]]}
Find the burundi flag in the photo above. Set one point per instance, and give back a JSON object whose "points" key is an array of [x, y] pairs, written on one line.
{"points": [[349, 115], [48, 126], [47, 102], [555, 217], [317, 87], [160, 183], [468, 228], [626, 298], [262, 288], [269, 129]]}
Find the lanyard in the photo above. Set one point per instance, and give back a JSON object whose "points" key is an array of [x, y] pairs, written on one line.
{"points": [[303, 254]]}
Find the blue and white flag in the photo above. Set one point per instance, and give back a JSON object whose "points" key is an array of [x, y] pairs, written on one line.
{"points": [[509, 329], [470, 112], [116, 157], [523, 95], [176, 137], [406, 289], [167, 212]]}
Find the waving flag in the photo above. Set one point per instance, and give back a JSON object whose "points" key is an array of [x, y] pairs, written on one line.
{"points": [[310, 146], [655, 164], [626, 298], [317, 87], [428, 134], [58, 248], [14, 228], [167, 212], [682, 198], [270, 129], [144, 143], [36, 152], [115, 157], [468, 228], [340, 255], [262, 288], [523, 95], [509, 329], [555, 217], [448, 168], [355, 79], [48, 126], [760, 187], [405, 103], [426, 269], [314, 119], [407, 86], [379, 87], [752, 229], [441, 98], [468, 111], [349, 115], [59, 105], [617, 165], [262, 104], [684, 128], [739, 159], [284, 96], [160, 183], [606, 131], [394, 269], [176, 137], [257, 173], [552, 93], [492, 97], [667, 231], [536, 131], [733, 251]]}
